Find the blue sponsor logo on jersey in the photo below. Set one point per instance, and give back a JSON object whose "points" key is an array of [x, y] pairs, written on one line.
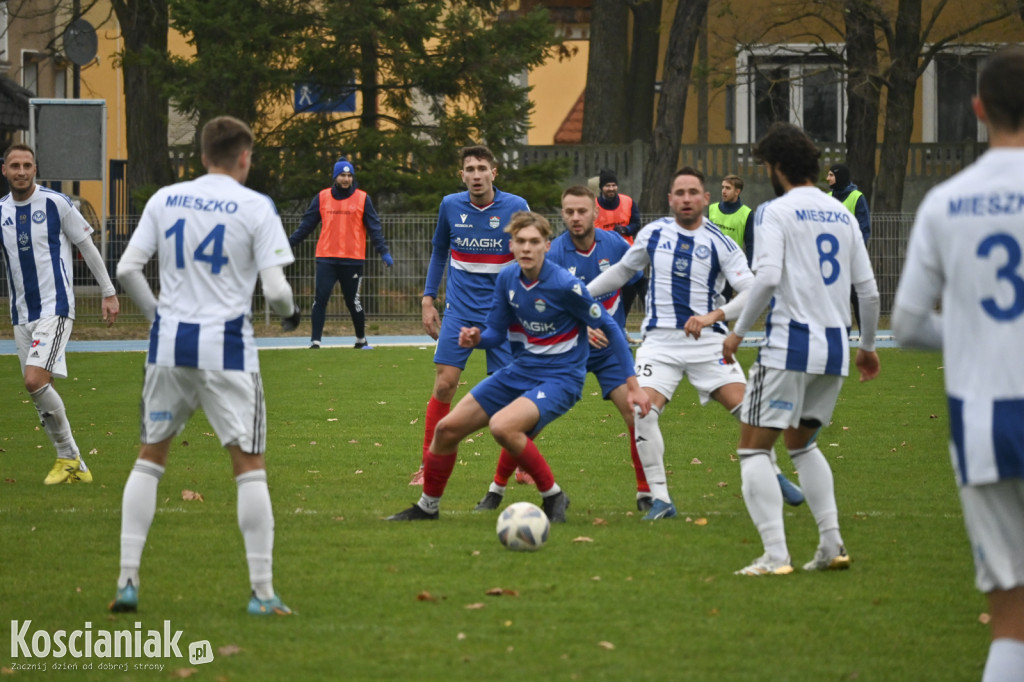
{"points": [[163, 416], [781, 405]]}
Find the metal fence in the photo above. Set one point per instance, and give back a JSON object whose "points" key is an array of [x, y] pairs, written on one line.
{"points": [[393, 294]]}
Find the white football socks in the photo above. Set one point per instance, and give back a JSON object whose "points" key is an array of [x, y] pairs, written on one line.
{"points": [[256, 521], [55, 421], [774, 457], [650, 446], [1005, 661], [763, 498], [819, 489], [138, 506]]}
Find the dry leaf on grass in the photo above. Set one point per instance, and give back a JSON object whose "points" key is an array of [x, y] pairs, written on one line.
{"points": [[499, 591], [607, 646], [695, 461], [600, 522], [700, 522], [183, 673], [474, 607], [191, 496], [425, 596], [583, 538], [229, 650]]}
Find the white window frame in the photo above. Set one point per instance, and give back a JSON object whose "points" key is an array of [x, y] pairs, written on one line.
{"points": [[5, 56], [930, 91], [745, 131]]}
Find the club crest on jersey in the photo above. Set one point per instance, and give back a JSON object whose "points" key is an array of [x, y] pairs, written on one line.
{"points": [[38, 216], [540, 305], [680, 267], [595, 311], [603, 264], [23, 239], [494, 222], [702, 252]]}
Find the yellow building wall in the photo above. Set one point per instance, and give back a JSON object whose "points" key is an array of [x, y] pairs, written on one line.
{"points": [[556, 85]]}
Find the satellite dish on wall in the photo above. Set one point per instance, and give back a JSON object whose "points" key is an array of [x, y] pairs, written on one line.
{"points": [[80, 42]]}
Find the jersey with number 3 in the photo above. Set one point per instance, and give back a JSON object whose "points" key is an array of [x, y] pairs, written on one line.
{"points": [[967, 248], [212, 236], [817, 245]]}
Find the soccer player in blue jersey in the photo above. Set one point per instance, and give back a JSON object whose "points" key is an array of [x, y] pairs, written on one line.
{"points": [[545, 312], [470, 240], [37, 227], [586, 252], [212, 236], [691, 261], [965, 252], [809, 251]]}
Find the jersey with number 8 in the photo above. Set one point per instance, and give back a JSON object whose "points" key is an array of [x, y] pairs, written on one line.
{"points": [[212, 236], [816, 243]]}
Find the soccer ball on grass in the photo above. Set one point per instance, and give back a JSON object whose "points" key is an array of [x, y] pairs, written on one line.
{"points": [[523, 527]]}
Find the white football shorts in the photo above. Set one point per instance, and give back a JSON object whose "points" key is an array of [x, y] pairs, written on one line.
{"points": [[781, 398], [665, 356], [232, 401], [44, 343], [994, 516]]}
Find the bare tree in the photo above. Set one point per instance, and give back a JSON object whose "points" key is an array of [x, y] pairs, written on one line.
{"points": [[604, 112], [661, 163], [144, 26], [863, 92], [888, 47], [643, 69]]}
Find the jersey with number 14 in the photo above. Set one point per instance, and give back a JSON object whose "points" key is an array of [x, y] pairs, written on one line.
{"points": [[817, 245], [212, 235], [967, 247], [478, 248]]}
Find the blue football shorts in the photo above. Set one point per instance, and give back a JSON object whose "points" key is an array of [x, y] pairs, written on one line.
{"points": [[449, 352], [553, 393], [604, 364]]}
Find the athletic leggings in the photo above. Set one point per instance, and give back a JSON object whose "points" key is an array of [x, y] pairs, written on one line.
{"points": [[351, 277]]}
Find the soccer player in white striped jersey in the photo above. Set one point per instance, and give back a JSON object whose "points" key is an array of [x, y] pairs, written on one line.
{"points": [[965, 251], [691, 261], [808, 252], [212, 237], [37, 227]]}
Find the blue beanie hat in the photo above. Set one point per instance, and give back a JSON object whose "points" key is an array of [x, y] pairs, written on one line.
{"points": [[343, 166]]}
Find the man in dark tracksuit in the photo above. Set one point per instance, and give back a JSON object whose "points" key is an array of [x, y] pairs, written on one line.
{"points": [[843, 189], [348, 216]]}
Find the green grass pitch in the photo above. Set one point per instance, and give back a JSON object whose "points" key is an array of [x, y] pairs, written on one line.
{"points": [[610, 597]]}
